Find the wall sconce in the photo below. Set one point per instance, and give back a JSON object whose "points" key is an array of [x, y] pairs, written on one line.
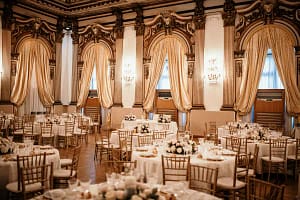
{"points": [[213, 73], [128, 74]]}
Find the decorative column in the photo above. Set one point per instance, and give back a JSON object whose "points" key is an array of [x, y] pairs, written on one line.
{"points": [[229, 76], [139, 79], [199, 21], [146, 68], [57, 73], [119, 31], [191, 62], [5, 76], [75, 80]]}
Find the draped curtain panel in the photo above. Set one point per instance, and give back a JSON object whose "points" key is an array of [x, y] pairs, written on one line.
{"points": [[96, 55], [33, 54], [175, 50], [283, 51]]}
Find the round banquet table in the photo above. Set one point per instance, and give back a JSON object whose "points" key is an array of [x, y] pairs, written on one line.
{"points": [[8, 166], [151, 165]]}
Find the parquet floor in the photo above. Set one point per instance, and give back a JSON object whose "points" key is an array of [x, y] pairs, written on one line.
{"points": [[89, 169]]}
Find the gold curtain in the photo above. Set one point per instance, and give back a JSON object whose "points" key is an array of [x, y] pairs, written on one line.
{"points": [[32, 53], [256, 50], [96, 56], [175, 50]]}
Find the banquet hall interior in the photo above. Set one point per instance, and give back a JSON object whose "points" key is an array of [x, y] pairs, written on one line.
{"points": [[150, 99]]}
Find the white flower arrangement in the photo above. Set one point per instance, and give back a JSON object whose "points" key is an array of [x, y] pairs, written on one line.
{"points": [[132, 190], [130, 117], [163, 119], [181, 147], [6, 146], [260, 134], [145, 128]]}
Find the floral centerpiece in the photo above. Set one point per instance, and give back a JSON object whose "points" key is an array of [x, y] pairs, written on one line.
{"points": [[128, 189], [260, 134], [6, 146], [145, 128], [181, 147], [130, 117], [163, 119]]}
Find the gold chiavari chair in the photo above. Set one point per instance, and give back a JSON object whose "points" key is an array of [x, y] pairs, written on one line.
{"points": [[125, 142], [294, 159], [262, 190], [119, 167], [67, 137], [253, 162], [16, 189], [145, 140], [175, 168], [276, 161], [203, 179], [231, 186], [211, 133], [81, 134], [103, 147], [61, 176], [18, 125], [47, 137], [239, 145]]}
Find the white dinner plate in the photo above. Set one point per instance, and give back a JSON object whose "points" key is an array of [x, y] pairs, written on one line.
{"points": [[55, 194]]}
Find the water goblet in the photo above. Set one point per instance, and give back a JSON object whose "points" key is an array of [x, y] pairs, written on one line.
{"points": [[73, 184]]}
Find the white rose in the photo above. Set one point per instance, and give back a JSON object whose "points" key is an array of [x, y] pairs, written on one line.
{"points": [[173, 148], [110, 195], [120, 194], [179, 150]]}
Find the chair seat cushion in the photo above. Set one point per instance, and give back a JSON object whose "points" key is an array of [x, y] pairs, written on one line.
{"points": [[65, 135], [63, 173], [292, 157], [13, 187], [273, 159], [227, 183], [65, 162], [47, 135]]}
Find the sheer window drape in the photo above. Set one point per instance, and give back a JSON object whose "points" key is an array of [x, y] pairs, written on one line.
{"points": [[96, 56], [33, 54], [283, 51], [175, 51]]}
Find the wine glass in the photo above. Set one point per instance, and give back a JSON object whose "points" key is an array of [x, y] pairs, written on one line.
{"points": [[73, 183]]}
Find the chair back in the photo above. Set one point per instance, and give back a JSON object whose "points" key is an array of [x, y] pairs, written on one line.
{"points": [[211, 133], [277, 148], [29, 161], [41, 174], [242, 166], [253, 165], [158, 135], [262, 190], [69, 127], [175, 168], [203, 179], [119, 166], [239, 145], [46, 129], [145, 140], [125, 138]]}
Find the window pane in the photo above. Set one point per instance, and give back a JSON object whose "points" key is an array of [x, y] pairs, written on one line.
{"points": [[93, 84], [269, 77], [164, 81]]}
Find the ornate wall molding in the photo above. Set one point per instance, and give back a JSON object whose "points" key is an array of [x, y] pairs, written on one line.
{"points": [[199, 17], [146, 61], [139, 21], [229, 13], [168, 23], [282, 12], [118, 28], [112, 64], [191, 62], [52, 64], [33, 28]]}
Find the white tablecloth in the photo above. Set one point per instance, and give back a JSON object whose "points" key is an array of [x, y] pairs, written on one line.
{"points": [[114, 138], [153, 125], [8, 169], [263, 151], [152, 166]]}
